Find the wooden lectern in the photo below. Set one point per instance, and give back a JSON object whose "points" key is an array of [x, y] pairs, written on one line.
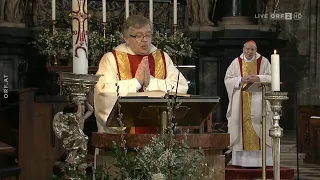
{"points": [[144, 111]]}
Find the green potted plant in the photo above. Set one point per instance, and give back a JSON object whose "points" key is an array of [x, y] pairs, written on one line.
{"points": [[178, 46], [95, 47], [98, 45], [54, 45]]}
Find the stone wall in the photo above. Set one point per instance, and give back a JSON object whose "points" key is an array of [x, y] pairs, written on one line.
{"points": [[302, 52], [300, 58]]}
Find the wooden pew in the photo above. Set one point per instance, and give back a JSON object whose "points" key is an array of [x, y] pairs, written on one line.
{"points": [[38, 146], [7, 171], [304, 114], [312, 150]]}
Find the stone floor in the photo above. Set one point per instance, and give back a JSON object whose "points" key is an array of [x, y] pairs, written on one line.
{"points": [[289, 159]]}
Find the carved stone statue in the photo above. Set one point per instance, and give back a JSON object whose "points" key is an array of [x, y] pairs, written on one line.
{"points": [[2, 8], [200, 11], [11, 11], [39, 12], [68, 126]]}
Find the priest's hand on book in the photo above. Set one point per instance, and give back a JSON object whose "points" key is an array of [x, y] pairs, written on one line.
{"points": [[245, 79], [250, 79], [254, 78]]}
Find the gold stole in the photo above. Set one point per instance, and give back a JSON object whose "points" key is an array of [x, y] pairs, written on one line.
{"points": [[250, 139], [124, 68]]}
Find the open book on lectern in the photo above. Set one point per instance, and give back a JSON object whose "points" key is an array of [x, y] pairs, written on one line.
{"points": [[255, 87], [155, 94]]}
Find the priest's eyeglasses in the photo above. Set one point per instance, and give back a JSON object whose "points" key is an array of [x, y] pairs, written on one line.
{"points": [[140, 37]]}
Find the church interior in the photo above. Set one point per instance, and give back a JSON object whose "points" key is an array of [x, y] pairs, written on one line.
{"points": [[203, 37]]}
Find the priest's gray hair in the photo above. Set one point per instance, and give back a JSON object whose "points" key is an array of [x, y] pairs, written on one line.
{"points": [[134, 21], [245, 44]]}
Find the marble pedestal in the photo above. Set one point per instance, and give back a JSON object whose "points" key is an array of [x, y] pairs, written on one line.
{"points": [[212, 144], [237, 20]]}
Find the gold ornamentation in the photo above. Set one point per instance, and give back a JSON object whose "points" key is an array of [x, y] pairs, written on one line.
{"points": [[250, 140], [123, 65], [160, 66]]}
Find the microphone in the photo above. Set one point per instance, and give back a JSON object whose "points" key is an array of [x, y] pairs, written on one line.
{"points": [[177, 85], [178, 80]]}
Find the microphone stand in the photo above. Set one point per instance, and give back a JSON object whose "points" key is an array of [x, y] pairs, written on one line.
{"points": [[177, 80], [175, 98], [295, 116]]}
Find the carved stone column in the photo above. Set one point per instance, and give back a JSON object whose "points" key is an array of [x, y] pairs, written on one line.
{"points": [[238, 12]]}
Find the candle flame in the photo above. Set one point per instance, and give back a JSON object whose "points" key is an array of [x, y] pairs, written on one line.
{"points": [[275, 51]]}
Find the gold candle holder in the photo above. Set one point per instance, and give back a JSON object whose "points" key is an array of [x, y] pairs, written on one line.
{"points": [[55, 60], [275, 5], [104, 27], [175, 26], [54, 22]]}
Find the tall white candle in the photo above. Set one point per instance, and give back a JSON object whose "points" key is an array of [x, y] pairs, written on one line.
{"points": [[275, 71], [104, 11], [151, 10], [175, 11], [53, 10], [80, 37], [127, 8]]}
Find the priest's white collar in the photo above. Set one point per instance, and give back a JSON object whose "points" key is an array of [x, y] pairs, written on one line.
{"points": [[257, 55]]}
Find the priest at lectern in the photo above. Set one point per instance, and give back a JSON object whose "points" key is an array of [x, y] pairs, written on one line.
{"points": [[244, 112], [134, 66]]}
